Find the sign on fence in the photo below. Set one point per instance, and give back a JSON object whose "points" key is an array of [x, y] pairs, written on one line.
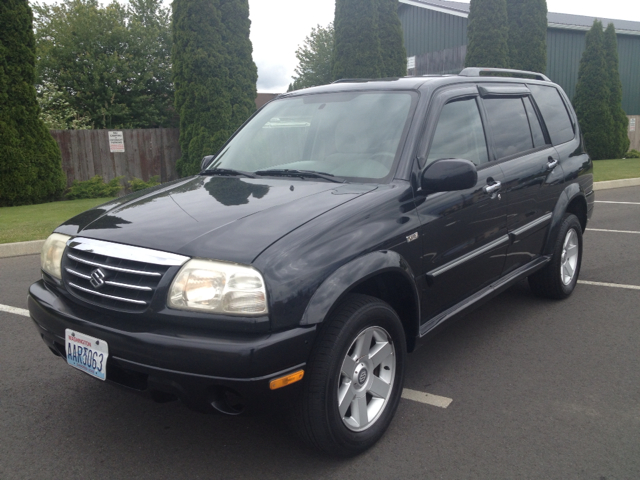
{"points": [[116, 142]]}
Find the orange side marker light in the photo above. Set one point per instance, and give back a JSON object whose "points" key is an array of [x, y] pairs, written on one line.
{"points": [[286, 380]]}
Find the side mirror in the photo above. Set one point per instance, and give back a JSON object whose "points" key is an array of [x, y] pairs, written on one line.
{"points": [[206, 161], [449, 175]]}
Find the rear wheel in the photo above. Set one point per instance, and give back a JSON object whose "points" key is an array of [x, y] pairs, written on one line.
{"points": [[560, 276], [354, 378]]}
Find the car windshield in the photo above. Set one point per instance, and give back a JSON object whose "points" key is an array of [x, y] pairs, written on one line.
{"points": [[354, 135]]}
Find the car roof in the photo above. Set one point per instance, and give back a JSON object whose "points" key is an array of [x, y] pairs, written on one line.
{"points": [[409, 83]]}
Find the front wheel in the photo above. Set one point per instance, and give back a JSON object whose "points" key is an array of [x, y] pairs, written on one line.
{"points": [[560, 276], [354, 378]]}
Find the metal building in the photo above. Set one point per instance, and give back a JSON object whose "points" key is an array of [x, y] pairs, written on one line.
{"points": [[435, 36]]}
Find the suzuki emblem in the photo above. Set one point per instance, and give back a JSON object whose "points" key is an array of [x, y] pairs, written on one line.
{"points": [[97, 278]]}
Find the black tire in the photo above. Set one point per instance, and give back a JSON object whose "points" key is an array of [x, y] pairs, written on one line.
{"points": [[553, 280], [316, 417]]}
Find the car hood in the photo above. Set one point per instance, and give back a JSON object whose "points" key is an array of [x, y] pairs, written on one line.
{"points": [[226, 218]]}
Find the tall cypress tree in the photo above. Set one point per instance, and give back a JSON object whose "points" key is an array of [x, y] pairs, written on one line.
{"points": [[243, 73], [619, 138], [528, 34], [357, 46], [30, 161], [487, 34], [593, 95], [392, 51], [214, 75]]}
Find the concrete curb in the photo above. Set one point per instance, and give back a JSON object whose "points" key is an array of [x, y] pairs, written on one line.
{"points": [[627, 182], [20, 248], [31, 248]]}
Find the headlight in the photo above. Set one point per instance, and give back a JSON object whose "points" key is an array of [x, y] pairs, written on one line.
{"points": [[51, 255], [218, 287]]}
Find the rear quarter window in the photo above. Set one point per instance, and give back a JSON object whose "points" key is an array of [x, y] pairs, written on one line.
{"points": [[554, 112]]}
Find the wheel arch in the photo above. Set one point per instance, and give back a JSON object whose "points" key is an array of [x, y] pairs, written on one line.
{"points": [[384, 275], [572, 200]]}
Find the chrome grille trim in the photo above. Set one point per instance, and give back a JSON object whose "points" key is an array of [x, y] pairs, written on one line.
{"points": [[111, 297], [127, 252], [109, 282], [110, 267], [78, 274]]}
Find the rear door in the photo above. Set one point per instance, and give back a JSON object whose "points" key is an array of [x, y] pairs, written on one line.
{"points": [[532, 173]]}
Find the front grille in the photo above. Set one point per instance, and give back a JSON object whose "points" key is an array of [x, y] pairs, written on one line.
{"points": [[114, 276]]}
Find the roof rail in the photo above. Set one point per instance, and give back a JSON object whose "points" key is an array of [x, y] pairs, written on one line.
{"points": [[353, 80], [476, 72]]}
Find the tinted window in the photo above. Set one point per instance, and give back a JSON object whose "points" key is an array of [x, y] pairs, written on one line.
{"points": [[509, 126], [534, 123], [554, 113], [354, 135], [459, 133]]}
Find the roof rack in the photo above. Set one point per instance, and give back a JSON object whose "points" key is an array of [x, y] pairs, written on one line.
{"points": [[477, 71], [353, 80]]}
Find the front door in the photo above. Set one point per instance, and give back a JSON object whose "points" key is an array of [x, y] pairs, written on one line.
{"points": [[463, 233]]}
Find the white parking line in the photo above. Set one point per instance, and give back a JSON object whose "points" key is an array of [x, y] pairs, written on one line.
{"points": [[17, 311], [610, 231], [621, 203], [422, 397], [613, 285]]}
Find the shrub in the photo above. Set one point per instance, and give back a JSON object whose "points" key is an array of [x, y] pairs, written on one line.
{"points": [[632, 154], [139, 184], [94, 188]]}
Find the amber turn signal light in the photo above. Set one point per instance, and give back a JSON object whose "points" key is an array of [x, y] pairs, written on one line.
{"points": [[287, 380]]}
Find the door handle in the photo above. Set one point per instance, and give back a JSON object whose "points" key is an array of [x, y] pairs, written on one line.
{"points": [[493, 188], [553, 163]]}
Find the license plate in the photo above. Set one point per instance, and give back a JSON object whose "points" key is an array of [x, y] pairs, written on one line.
{"points": [[86, 353]]}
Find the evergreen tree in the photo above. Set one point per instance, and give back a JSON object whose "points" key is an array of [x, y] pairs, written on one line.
{"points": [[593, 95], [392, 51], [314, 59], [243, 73], [214, 75], [30, 161], [357, 46], [487, 34], [527, 34], [619, 138]]}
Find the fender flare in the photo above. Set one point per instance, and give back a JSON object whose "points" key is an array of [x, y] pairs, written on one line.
{"points": [[567, 196], [353, 273]]}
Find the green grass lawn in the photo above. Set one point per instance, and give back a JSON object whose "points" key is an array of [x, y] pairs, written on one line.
{"points": [[616, 169], [36, 222]]}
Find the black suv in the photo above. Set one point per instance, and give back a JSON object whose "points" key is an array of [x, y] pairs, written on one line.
{"points": [[340, 225]]}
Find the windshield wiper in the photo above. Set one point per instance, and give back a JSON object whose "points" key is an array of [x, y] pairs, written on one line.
{"points": [[227, 172], [300, 174]]}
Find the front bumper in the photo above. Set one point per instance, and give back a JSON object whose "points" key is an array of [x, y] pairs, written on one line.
{"points": [[208, 371]]}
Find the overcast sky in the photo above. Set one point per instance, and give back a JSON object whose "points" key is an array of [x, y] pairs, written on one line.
{"points": [[279, 26]]}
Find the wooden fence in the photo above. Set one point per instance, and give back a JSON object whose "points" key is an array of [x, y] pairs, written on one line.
{"points": [[634, 132], [450, 60], [147, 152]]}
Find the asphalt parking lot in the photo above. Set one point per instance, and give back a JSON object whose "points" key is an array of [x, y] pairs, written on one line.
{"points": [[540, 389]]}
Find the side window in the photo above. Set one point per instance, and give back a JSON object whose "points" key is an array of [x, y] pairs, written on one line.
{"points": [[554, 112], [534, 123], [509, 126], [459, 133]]}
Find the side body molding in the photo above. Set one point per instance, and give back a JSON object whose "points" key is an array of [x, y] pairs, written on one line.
{"points": [[353, 273], [568, 195]]}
